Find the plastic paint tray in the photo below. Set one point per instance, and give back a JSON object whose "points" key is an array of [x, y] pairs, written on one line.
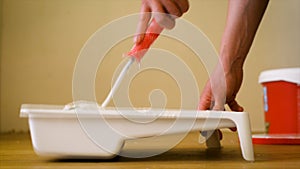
{"points": [[101, 133]]}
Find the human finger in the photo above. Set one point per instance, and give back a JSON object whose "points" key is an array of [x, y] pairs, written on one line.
{"points": [[145, 17], [234, 106], [172, 8], [161, 16], [183, 5], [205, 102]]}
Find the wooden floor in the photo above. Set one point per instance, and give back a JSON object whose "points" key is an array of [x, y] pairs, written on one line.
{"points": [[16, 152]]}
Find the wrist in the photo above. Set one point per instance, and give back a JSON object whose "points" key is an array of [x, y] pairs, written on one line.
{"points": [[232, 63]]}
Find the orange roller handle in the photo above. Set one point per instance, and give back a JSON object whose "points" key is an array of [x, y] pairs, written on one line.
{"points": [[139, 50]]}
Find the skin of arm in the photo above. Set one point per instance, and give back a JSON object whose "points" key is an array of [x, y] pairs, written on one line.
{"points": [[243, 19]]}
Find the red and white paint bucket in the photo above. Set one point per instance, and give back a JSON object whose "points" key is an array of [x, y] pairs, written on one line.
{"points": [[281, 98]]}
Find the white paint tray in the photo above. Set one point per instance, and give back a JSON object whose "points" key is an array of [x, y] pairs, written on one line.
{"points": [[93, 132]]}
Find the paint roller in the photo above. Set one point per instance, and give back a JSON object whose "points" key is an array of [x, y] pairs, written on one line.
{"points": [[136, 53]]}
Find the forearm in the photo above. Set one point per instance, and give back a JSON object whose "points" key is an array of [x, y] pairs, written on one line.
{"points": [[243, 19]]}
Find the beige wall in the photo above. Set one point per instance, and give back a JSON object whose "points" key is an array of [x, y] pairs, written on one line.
{"points": [[41, 40], [0, 59]]}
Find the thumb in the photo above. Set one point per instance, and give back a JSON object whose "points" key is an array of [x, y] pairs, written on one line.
{"points": [[145, 17], [218, 106]]}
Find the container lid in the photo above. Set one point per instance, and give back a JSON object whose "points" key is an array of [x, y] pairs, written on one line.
{"points": [[289, 75]]}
